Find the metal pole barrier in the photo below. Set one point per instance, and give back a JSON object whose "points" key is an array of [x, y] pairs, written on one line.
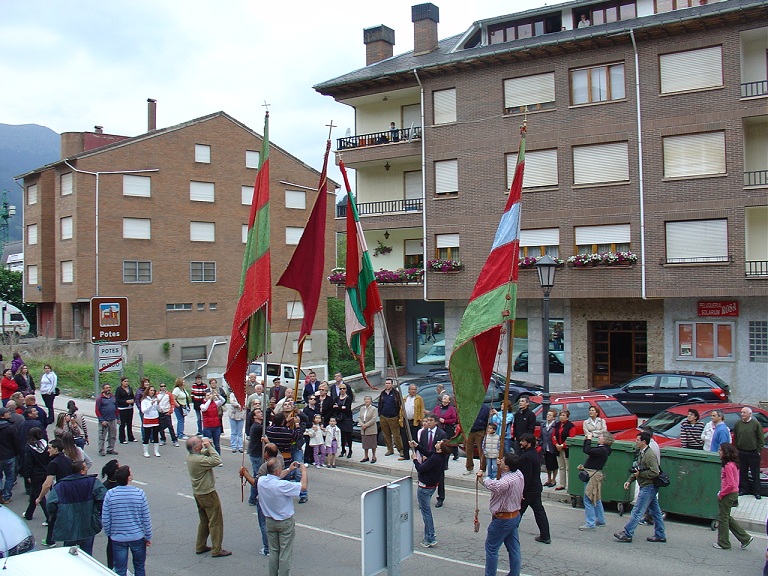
{"points": [[393, 530]]}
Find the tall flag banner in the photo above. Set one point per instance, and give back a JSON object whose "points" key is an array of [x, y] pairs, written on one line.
{"points": [[251, 325], [362, 301], [305, 271], [492, 303]]}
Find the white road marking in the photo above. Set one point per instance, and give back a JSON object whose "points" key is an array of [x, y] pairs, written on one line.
{"points": [[139, 483], [185, 495]]}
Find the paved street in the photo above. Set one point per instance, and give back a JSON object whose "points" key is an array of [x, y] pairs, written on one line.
{"points": [[328, 539]]}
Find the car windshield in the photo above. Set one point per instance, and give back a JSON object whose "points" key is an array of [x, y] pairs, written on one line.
{"points": [[666, 423]]}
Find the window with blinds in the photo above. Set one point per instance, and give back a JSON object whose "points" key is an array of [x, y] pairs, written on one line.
{"points": [[245, 233], [697, 241], [67, 272], [536, 92], [296, 199], [447, 246], [412, 116], [32, 274], [32, 194], [293, 235], [694, 155], [203, 153], [414, 253], [540, 168], [252, 159], [137, 228], [444, 103], [295, 310], [32, 234], [66, 184], [67, 228], [539, 242], [413, 186], [599, 239], [691, 70], [137, 185], [137, 271], [447, 177], [600, 163], [246, 195], [202, 232], [202, 191]]}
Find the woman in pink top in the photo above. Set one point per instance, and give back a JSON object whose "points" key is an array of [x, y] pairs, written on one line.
{"points": [[728, 498], [447, 418]]}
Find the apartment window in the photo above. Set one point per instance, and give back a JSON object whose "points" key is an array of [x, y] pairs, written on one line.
{"points": [[295, 310], [252, 159], [411, 116], [245, 233], [293, 235], [296, 199], [137, 271], [67, 272], [536, 92], [540, 242], [599, 163], [202, 232], [137, 228], [306, 348], [694, 155], [202, 271], [540, 168], [67, 228], [599, 239], [612, 12], [32, 274], [447, 246], [202, 191], [201, 306], [137, 185], [697, 241], [203, 153], [517, 30], [179, 307], [597, 84], [213, 306], [192, 353], [32, 194], [32, 234], [65, 182], [412, 183], [691, 70], [705, 340], [444, 102], [669, 5], [447, 177], [758, 341], [246, 195], [414, 253]]}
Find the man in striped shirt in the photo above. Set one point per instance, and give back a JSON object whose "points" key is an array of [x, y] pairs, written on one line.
{"points": [[125, 516], [506, 496]]}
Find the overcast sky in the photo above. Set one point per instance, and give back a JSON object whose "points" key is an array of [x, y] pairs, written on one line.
{"points": [[72, 65]]}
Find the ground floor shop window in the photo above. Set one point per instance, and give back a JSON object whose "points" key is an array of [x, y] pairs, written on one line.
{"points": [[705, 340]]}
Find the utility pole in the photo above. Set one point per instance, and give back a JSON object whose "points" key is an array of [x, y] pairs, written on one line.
{"points": [[5, 215]]}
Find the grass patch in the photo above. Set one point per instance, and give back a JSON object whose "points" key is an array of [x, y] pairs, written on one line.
{"points": [[76, 375]]}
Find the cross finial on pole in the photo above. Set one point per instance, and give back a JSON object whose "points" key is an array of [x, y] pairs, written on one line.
{"points": [[266, 106], [331, 126]]}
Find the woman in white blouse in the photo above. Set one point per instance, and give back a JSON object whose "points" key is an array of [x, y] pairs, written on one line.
{"points": [[594, 423]]}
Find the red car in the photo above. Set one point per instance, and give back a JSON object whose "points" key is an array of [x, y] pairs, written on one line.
{"points": [[615, 414], [666, 427]]}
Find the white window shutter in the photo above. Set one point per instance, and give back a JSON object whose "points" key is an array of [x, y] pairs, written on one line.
{"points": [[137, 185], [691, 70], [412, 116], [413, 247], [32, 194], [600, 163], [446, 176], [67, 271], [252, 159], [697, 240], [447, 240], [137, 228], [202, 232], [293, 235], [66, 184], [246, 195], [32, 274], [609, 234], [295, 310], [67, 228], [203, 153], [413, 188], [245, 233], [296, 199], [444, 106], [32, 234], [694, 155], [202, 191], [540, 237], [540, 168], [529, 91]]}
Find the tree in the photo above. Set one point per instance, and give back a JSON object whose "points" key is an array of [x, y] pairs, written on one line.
{"points": [[11, 292], [339, 355]]}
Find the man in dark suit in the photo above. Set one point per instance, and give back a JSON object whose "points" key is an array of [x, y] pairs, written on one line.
{"points": [[530, 466], [311, 387], [426, 446], [278, 391], [336, 386]]}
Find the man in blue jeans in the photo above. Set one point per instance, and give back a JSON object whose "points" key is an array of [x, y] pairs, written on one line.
{"points": [[644, 471], [506, 496]]}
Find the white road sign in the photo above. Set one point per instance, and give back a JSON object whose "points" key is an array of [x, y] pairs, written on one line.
{"points": [[110, 364], [110, 350]]}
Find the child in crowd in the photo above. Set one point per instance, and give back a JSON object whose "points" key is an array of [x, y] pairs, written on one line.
{"points": [[491, 449], [316, 435], [332, 442]]}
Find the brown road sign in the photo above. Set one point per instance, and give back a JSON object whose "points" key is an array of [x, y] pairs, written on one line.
{"points": [[109, 319]]}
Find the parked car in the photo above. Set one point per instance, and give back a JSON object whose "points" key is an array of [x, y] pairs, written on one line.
{"points": [[666, 427], [649, 393], [556, 362], [15, 536], [615, 414], [435, 355]]}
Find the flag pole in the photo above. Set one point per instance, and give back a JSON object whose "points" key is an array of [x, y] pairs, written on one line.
{"points": [[395, 379]]}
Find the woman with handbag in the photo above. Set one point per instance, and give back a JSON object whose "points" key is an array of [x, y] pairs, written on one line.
{"points": [[563, 430], [183, 401], [592, 474]]}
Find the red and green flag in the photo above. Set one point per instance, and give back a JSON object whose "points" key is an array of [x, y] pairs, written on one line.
{"points": [[251, 325], [362, 300], [492, 303]]}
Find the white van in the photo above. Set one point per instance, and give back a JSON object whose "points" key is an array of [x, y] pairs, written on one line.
{"points": [[12, 320], [64, 560]]}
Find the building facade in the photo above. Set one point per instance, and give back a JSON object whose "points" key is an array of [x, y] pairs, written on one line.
{"points": [[646, 173], [161, 219]]}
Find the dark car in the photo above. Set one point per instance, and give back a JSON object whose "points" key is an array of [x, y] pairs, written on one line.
{"points": [[666, 427], [556, 362], [649, 393]]}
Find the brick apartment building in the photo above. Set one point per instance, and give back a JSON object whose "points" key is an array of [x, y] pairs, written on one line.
{"points": [[647, 133], [172, 215]]}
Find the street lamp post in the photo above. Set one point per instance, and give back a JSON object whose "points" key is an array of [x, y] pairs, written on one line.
{"points": [[546, 267]]}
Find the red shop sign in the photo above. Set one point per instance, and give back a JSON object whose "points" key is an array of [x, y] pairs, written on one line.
{"points": [[719, 308]]}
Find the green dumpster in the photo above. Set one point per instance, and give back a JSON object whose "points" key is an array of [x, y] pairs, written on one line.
{"points": [[695, 481], [616, 472]]}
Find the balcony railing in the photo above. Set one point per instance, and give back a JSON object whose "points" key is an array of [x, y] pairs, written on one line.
{"points": [[756, 178], [386, 137], [382, 207], [752, 89], [757, 268]]}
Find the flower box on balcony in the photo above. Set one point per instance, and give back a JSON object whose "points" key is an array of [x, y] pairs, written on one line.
{"points": [[444, 266], [400, 276], [529, 262], [616, 259]]}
